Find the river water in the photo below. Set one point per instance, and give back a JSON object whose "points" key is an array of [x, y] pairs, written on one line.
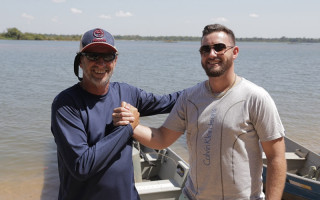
{"points": [[34, 72]]}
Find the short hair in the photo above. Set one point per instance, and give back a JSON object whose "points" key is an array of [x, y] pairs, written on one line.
{"points": [[218, 28]]}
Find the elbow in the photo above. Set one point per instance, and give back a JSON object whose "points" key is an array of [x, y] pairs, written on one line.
{"points": [[278, 164], [80, 168], [79, 171], [80, 174]]}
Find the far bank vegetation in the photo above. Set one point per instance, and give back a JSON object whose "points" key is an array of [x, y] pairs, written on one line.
{"points": [[16, 34]]}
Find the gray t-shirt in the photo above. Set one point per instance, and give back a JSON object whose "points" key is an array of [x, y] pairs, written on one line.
{"points": [[223, 137]]}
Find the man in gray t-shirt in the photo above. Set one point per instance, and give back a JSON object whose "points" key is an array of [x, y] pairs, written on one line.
{"points": [[228, 122]]}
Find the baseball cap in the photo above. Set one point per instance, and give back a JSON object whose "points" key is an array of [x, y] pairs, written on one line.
{"points": [[97, 39]]}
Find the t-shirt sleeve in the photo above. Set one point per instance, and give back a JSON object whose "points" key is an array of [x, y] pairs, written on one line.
{"points": [[265, 117], [176, 120]]}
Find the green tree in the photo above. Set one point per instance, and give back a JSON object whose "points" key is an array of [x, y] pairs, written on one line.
{"points": [[13, 33]]}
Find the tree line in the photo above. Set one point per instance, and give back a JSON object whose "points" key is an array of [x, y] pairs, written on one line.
{"points": [[16, 34]]}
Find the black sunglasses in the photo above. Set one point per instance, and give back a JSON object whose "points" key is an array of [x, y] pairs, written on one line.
{"points": [[218, 49], [96, 56]]}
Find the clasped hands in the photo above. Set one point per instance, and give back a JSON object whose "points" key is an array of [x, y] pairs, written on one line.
{"points": [[126, 114]]}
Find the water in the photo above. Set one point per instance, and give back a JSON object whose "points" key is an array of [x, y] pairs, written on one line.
{"points": [[34, 72]]}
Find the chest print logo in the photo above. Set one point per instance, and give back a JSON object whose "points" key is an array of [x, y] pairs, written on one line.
{"points": [[206, 139]]}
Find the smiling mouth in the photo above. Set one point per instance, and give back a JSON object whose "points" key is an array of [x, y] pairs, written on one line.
{"points": [[97, 71], [213, 62]]}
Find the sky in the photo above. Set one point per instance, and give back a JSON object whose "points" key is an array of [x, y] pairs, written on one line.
{"points": [[247, 18]]}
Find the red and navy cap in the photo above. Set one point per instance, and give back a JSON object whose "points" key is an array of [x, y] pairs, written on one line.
{"points": [[97, 39]]}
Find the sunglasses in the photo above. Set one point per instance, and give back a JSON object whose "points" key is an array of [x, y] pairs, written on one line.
{"points": [[96, 56], [219, 49]]}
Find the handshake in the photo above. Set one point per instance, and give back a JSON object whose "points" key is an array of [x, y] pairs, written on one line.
{"points": [[126, 114], [155, 138]]}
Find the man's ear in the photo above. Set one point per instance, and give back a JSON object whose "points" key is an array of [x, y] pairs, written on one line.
{"points": [[80, 61], [235, 52], [116, 58]]}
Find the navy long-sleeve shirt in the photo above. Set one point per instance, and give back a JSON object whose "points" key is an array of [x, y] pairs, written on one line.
{"points": [[95, 157]]}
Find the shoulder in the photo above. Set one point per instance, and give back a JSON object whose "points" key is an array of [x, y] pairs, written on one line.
{"points": [[195, 90], [257, 98], [125, 92], [252, 90], [122, 86], [67, 98], [67, 93], [251, 87]]}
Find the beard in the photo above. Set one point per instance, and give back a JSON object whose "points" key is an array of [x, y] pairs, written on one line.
{"points": [[99, 82], [217, 70], [105, 80]]}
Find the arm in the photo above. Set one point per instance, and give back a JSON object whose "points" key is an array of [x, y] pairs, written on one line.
{"points": [[276, 168], [156, 138], [151, 104], [82, 158]]}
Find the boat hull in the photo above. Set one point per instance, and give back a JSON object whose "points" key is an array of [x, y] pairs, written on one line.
{"points": [[302, 181]]}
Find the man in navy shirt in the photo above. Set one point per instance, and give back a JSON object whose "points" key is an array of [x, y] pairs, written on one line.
{"points": [[95, 157]]}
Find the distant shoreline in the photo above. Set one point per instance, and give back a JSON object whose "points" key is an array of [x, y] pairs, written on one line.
{"points": [[15, 34]]}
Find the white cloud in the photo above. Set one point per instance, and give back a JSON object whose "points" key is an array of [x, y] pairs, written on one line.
{"points": [[189, 21], [76, 11], [253, 15], [58, 1], [123, 14], [105, 16], [55, 19], [220, 19], [27, 16]]}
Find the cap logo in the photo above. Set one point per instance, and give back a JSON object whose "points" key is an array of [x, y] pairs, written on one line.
{"points": [[97, 38], [98, 33]]}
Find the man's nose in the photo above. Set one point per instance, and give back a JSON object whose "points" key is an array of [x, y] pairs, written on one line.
{"points": [[212, 53], [101, 61]]}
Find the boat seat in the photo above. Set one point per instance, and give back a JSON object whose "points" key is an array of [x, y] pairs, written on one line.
{"points": [[161, 189], [156, 186], [294, 161], [289, 156], [152, 157]]}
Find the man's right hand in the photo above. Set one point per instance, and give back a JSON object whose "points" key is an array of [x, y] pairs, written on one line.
{"points": [[126, 114]]}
